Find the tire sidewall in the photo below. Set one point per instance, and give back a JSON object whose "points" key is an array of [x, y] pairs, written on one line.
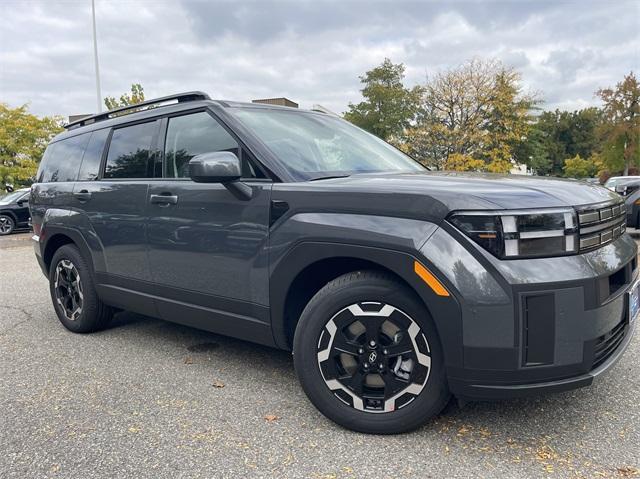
{"points": [[12, 222], [313, 320]]}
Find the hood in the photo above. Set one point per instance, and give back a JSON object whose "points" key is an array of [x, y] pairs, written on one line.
{"points": [[459, 190]]}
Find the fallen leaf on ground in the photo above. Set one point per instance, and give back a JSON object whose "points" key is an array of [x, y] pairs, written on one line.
{"points": [[628, 471], [218, 384], [271, 417], [188, 360]]}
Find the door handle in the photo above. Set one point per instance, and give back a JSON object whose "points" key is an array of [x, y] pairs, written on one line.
{"points": [[82, 195], [164, 199]]}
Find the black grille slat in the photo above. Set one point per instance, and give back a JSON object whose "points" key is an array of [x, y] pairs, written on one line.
{"points": [[600, 225], [607, 344]]}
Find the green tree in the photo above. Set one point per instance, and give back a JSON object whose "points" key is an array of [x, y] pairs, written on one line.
{"points": [[558, 135], [507, 120], [136, 96], [621, 130], [388, 107], [578, 167], [23, 139]]}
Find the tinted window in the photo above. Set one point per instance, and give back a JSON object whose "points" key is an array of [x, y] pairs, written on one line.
{"points": [[130, 152], [92, 155], [61, 160], [191, 135]]}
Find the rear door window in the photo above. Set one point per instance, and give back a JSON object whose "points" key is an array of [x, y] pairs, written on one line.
{"points": [[130, 151], [61, 160], [93, 155]]}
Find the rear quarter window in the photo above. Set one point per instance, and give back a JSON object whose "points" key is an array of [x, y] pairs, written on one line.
{"points": [[93, 155], [61, 160]]}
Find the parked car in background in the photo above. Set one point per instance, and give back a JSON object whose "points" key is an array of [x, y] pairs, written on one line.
{"points": [[614, 181], [393, 286], [14, 211], [631, 192]]}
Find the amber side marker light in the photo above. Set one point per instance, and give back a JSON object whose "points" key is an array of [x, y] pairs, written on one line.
{"points": [[430, 279]]}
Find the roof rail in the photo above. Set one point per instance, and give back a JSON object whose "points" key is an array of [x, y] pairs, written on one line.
{"points": [[180, 97]]}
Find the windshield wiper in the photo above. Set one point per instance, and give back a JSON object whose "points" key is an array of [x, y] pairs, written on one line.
{"points": [[329, 177]]}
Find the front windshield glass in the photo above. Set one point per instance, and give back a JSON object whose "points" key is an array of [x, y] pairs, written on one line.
{"points": [[12, 197], [317, 145]]}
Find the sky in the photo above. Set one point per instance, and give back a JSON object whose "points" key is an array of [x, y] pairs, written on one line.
{"points": [[311, 52]]}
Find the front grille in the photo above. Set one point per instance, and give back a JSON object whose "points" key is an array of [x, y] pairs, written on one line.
{"points": [[601, 225], [606, 345]]}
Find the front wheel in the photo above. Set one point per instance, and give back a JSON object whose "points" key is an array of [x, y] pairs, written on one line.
{"points": [[368, 355], [7, 225]]}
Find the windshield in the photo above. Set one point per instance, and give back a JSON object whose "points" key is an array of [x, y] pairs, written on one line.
{"points": [[12, 197], [315, 145]]}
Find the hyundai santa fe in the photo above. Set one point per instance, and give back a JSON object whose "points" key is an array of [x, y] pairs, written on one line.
{"points": [[393, 286]]}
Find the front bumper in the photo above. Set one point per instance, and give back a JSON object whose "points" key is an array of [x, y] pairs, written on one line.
{"points": [[537, 325]]}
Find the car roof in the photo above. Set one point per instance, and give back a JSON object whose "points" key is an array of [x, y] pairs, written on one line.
{"points": [[104, 120]]}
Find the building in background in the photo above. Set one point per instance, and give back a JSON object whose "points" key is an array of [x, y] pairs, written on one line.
{"points": [[277, 101]]}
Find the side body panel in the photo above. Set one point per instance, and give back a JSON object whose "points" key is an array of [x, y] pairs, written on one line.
{"points": [[208, 257]]}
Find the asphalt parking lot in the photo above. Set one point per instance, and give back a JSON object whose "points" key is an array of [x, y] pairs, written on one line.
{"points": [[146, 398]]}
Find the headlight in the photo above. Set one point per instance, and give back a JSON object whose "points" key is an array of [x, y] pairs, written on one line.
{"points": [[521, 233]]}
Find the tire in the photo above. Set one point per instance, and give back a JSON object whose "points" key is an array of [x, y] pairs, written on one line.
{"points": [[7, 225], [406, 391], [76, 302]]}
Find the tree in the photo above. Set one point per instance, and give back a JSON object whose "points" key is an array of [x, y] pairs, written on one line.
{"points": [[477, 110], [558, 135], [578, 167], [621, 130], [136, 96], [388, 107], [458, 162], [507, 120], [23, 139]]}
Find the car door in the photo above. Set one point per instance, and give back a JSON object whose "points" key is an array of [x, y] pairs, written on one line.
{"points": [[22, 210], [112, 204], [207, 243]]}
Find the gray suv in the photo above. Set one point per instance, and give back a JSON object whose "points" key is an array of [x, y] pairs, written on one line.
{"points": [[394, 287]]}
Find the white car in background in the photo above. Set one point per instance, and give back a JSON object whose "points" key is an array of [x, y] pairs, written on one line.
{"points": [[614, 181]]}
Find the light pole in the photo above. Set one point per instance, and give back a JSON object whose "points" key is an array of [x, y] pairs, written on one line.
{"points": [[95, 57]]}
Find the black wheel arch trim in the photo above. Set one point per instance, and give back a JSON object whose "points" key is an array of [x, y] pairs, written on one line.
{"points": [[77, 238], [445, 311], [12, 215]]}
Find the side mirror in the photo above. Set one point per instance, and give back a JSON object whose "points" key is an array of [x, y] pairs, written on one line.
{"points": [[621, 190], [215, 167]]}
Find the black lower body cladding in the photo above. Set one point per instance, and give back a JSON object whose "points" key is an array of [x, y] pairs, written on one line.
{"points": [[537, 325]]}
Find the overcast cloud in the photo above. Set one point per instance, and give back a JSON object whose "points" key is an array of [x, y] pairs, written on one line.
{"points": [[310, 52]]}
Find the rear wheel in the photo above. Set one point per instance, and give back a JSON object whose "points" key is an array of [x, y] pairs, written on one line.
{"points": [[368, 356], [73, 293], [7, 225]]}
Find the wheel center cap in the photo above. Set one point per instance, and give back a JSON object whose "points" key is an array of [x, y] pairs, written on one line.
{"points": [[373, 356]]}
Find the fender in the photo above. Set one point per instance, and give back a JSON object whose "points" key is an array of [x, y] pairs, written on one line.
{"points": [[367, 238], [71, 224], [10, 213]]}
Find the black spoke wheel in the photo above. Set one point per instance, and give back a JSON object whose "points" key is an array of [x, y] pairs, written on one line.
{"points": [[68, 289], [73, 292], [7, 225], [368, 355], [374, 357]]}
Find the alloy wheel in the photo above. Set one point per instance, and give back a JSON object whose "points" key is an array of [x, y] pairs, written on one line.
{"points": [[68, 289], [374, 357], [6, 225]]}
